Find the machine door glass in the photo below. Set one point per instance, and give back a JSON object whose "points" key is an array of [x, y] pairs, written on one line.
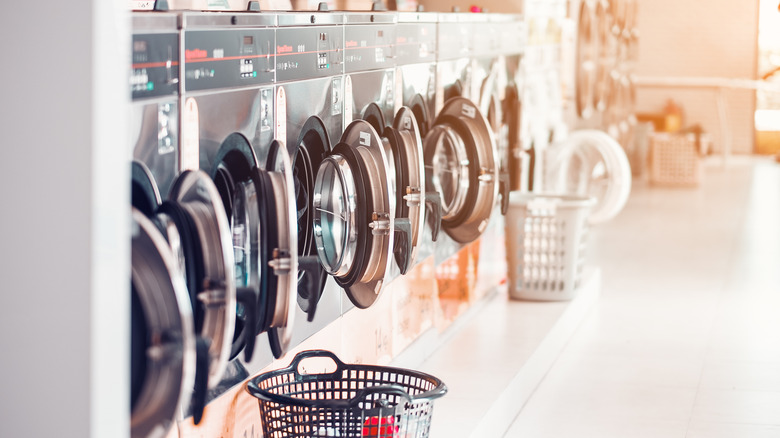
{"points": [[163, 351], [354, 214], [591, 163], [460, 158]]}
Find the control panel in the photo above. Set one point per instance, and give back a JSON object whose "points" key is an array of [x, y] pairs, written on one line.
{"points": [[415, 43], [216, 59], [155, 65], [455, 38], [308, 52], [370, 46]]}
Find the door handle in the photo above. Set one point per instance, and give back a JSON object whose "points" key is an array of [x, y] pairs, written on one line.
{"points": [[402, 249], [433, 206]]}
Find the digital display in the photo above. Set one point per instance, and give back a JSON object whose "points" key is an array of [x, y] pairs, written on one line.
{"points": [[139, 46], [249, 40]]}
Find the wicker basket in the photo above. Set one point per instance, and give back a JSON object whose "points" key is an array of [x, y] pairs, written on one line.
{"points": [[546, 239], [675, 160], [354, 401]]}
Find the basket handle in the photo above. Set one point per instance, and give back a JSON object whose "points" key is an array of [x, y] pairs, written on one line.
{"points": [[362, 394], [311, 354]]}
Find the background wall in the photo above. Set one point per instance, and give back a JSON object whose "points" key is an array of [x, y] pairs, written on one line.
{"points": [[717, 38]]}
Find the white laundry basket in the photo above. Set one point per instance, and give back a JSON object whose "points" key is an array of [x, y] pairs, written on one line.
{"points": [[546, 236]]}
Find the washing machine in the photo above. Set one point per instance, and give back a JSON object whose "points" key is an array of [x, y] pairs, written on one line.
{"points": [[229, 105], [459, 148], [501, 39], [310, 104], [545, 81], [591, 55], [161, 384], [511, 50], [497, 81], [415, 89], [587, 161], [192, 240], [370, 79]]}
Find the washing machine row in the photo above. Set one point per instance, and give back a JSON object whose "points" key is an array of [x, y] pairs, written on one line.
{"points": [[282, 157], [545, 88], [599, 91], [604, 40]]}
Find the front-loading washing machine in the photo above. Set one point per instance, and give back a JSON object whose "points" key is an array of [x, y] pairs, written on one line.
{"points": [[370, 69], [188, 216], [511, 50], [369, 80], [544, 82], [461, 162], [343, 187], [160, 385], [460, 149], [491, 84], [229, 105], [415, 88], [496, 73], [309, 102]]}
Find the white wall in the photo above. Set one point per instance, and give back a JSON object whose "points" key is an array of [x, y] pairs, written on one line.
{"points": [[64, 235], [717, 38]]}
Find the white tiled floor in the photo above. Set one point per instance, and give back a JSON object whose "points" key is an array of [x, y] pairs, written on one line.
{"points": [[685, 341]]}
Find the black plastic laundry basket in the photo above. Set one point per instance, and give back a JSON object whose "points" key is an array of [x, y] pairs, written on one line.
{"points": [[353, 401]]}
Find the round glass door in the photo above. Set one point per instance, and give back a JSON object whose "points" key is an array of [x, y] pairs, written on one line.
{"points": [[354, 214], [460, 154], [335, 203], [449, 170]]}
